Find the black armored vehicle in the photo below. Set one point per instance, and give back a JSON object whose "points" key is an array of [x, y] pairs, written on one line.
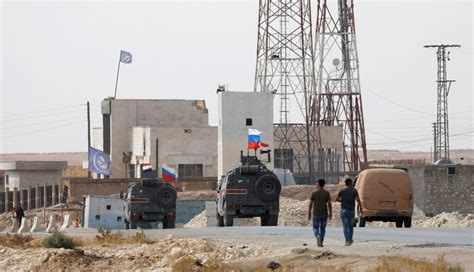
{"points": [[150, 201], [249, 190]]}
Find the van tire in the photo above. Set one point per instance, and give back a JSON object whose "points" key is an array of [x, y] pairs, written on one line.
{"points": [[399, 222], [361, 222], [407, 222], [228, 220], [168, 223]]}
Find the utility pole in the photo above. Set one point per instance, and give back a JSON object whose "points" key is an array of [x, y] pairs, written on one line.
{"points": [[435, 155], [88, 136], [444, 85]]}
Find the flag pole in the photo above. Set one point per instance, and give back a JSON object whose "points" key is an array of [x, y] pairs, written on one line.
{"points": [[88, 138], [117, 78]]}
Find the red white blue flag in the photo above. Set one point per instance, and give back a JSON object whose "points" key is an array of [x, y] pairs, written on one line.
{"points": [[253, 139], [169, 174], [147, 167]]}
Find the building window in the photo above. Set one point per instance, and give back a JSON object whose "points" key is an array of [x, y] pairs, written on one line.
{"points": [[188, 130], [451, 170], [190, 170], [119, 218], [248, 121], [108, 207], [97, 217], [283, 159]]}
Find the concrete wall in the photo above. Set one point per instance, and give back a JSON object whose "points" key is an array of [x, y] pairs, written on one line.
{"points": [[154, 114], [449, 192], [188, 209], [104, 212], [233, 110], [80, 187]]}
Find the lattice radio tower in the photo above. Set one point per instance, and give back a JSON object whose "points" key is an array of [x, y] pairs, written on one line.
{"points": [[337, 80], [441, 126], [285, 66]]}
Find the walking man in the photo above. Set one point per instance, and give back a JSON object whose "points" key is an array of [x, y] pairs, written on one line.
{"points": [[19, 214], [347, 197], [319, 205]]}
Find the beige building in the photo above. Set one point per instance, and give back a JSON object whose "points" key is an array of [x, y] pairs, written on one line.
{"points": [[174, 132]]}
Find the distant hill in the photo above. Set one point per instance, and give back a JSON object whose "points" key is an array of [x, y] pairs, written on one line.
{"points": [[76, 158]]}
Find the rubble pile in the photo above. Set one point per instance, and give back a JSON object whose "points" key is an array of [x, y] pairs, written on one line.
{"points": [[198, 221], [164, 253], [444, 219]]}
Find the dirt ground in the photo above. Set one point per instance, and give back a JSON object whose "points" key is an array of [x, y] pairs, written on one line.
{"points": [[175, 253]]}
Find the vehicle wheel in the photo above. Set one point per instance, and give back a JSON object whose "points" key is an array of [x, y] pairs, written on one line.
{"points": [[361, 222], [272, 220], [127, 225], [166, 196], [268, 188], [220, 220], [399, 222], [168, 223], [407, 222], [228, 220], [264, 220], [133, 224]]}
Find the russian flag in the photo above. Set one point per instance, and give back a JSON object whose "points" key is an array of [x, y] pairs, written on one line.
{"points": [[254, 139], [169, 174]]}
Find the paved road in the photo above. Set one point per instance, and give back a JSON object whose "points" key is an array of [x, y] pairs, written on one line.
{"points": [[297, 235]]}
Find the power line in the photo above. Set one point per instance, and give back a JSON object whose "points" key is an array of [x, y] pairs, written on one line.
{"points": [[40, 130], [48, 110], [43, 115], [43, 123], [395, 103]]}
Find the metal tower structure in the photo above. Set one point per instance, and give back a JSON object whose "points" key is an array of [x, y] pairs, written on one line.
{"points": [[337, 81], [285, 67], [441, 139]]}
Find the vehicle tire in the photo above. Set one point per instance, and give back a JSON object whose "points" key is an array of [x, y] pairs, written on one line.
{"points": [[127, 224], [361, 222], [407, 222], [133, 224], [399, 222], [268, 188], [272, 220], [228, 220], [168, 223], [264, 220], [166, 196], [220, 220]]}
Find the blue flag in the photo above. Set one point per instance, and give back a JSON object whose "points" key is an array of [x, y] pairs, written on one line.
{"points": [[125, 57], [99, 162]]}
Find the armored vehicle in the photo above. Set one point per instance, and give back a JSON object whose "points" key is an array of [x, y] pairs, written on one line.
{"points": [[150, 201], [249, 190]]}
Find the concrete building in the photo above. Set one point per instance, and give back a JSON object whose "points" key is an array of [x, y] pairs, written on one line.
{"points": [[175, 132], [24, 174], [103, 211], [238, 112]]}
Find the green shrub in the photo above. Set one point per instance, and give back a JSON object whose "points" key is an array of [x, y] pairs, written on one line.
{"points": [[58, 240]]}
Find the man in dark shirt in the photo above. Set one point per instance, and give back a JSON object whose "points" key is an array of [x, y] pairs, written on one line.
{"points": [[319, 205], [347, 197], [19, 214]]}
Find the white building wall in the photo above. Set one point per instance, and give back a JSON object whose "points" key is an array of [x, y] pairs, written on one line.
{"points": [[233, 110], [104, 212]]}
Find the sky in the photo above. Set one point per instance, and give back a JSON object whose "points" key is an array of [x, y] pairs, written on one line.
{"points": [[57, 55]]}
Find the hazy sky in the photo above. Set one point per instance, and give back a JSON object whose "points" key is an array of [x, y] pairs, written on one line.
{"points": [[55, 56]]}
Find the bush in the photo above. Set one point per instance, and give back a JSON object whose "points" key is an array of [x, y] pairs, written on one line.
{"points": [[58, 240]]}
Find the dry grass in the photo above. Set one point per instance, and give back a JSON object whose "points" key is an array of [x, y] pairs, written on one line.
{"points": [[396, 263], [107, 237], [15, 241], [190, 264]]}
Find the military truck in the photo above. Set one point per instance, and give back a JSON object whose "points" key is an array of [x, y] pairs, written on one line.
{"points": [[249, 190], [150, 201]]}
